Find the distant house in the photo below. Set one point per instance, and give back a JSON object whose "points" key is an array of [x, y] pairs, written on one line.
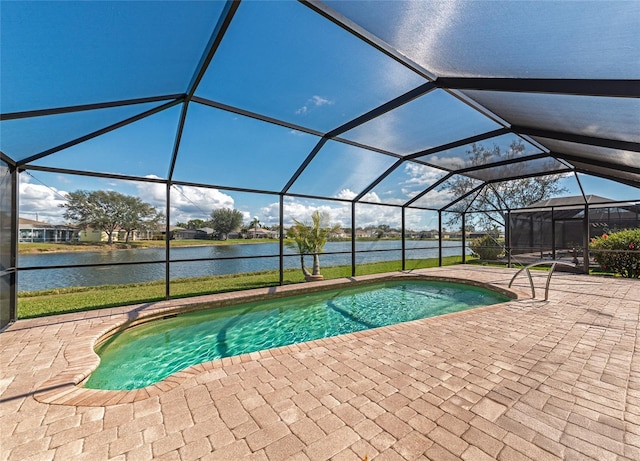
{"points": [[161, 231], [38, 231], [341, 234], [95, 236], [209, 232], [90, 235], [203, 233], [188, 234], [260, 233], [136, 235], [477, 235], [429, 234]]}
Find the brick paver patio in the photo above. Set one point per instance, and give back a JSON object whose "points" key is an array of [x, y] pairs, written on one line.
{"points": [[528, 379]]}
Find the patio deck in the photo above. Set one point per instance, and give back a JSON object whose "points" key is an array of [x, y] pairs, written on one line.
{"points": [[527, 379]]}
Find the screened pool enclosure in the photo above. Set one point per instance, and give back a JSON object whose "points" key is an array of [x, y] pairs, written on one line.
{"points": [[420, 118]]}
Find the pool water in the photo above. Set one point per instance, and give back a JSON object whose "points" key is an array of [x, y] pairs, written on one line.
{"points": [[148, 353]]}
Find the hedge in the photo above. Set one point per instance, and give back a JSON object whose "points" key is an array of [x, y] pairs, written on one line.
{"points": [[618, 252]]}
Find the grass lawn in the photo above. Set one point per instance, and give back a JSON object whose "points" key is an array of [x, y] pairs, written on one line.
{"points": [[75, 299]]}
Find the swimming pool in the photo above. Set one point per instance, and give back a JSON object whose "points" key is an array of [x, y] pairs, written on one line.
{"points": [[148, 353]]}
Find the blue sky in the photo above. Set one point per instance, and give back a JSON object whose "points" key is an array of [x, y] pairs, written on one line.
{"points": [[67, 53]]}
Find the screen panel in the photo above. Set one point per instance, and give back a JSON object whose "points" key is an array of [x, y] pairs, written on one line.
{"points": [[432, 120], [530, 167], [561, 40], [59, 54], [143, 148], [7, 279], [225, 149], [404, 183], [279, 59], [18, 137], [603, 117], [501, 148], [616, 157], [341, 170]]}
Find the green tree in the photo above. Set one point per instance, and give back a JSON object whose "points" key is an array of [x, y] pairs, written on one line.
{"points": [[516, 193], [225, 220], [487, 248], [254, 224], [311, 239], [139, 216], [107, 211], [193, 224]]}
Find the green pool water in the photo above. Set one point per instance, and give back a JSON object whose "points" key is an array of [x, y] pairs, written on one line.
{"points": [[148, 353]]}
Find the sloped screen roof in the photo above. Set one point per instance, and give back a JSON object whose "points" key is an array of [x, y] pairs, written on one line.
{"points": [[322, 97]]}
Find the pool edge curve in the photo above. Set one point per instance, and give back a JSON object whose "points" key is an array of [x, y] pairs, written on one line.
{"points": [[66, 387]]}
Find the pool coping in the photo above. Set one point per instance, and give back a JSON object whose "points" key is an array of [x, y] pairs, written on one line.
{"points": [[66, 387]]}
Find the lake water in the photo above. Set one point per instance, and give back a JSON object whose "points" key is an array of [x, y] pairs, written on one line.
{"points": [[195, 262]]}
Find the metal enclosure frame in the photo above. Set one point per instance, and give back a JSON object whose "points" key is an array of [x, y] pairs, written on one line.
{"points": [[455, 86]]}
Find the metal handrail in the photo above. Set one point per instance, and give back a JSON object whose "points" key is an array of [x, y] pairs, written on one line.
{"points": [[540, 263]]}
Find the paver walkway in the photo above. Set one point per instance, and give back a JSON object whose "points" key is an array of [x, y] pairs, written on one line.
{"points": [[528, 379]]}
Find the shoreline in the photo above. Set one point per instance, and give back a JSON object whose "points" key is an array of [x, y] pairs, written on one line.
{"points": [[33, 248], [40, 248]]}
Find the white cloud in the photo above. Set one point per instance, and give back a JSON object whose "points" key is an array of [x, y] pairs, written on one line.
{"points": [[270, 214], [320, 101], [421, 219], [348, 194], [339, 213], [453, 163], [187, 202], [40, 201], [246, 216], [372, 215], [366, 214], [314, 101], [421, 175], [436, 198], [420, 178]]}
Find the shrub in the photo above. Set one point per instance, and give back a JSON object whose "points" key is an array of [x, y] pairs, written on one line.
{"points": [[619, 252], [486, 247]]}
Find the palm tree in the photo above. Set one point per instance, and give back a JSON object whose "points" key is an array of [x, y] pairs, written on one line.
{"points": [[299, 233], [255, 223], [310, 239]]}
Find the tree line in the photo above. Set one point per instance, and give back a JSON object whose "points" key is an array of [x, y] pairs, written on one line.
{"points": [[223, 221], [110, 212]]}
